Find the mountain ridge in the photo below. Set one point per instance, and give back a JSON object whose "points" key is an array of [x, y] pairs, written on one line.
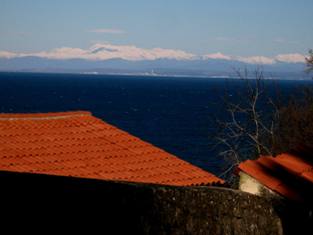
{"points": [[172, 67]]}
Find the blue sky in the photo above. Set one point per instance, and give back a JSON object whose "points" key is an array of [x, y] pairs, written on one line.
{"points": [[239, 28]]}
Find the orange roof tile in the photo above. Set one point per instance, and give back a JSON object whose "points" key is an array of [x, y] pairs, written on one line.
{"points": [[289, 175], [80, 145]]}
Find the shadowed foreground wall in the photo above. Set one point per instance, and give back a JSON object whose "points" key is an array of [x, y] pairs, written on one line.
{"points": [[122, 208]]}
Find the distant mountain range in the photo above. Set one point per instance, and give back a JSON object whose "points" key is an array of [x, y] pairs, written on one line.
{"points": [[157, 67]]}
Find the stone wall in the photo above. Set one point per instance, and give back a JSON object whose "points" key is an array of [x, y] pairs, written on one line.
{"points": [[129, 208]]}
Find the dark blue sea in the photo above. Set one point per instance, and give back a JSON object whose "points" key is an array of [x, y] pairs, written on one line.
{"points": [[172, 113]]}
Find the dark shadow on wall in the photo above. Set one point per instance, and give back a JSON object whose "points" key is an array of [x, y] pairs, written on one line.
{"points": [[58, 204]]}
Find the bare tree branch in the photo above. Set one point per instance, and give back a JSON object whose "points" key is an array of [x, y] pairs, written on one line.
{"points": [[242, 135]]}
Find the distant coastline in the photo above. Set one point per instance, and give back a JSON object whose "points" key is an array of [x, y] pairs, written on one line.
{"points": [[201, 68], [268, 76]]}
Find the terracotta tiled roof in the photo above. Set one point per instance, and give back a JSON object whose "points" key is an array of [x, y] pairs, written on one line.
{"points": [[289, 175], [80, 145]]}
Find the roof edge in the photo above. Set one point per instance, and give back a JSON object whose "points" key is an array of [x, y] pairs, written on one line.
{"points": [[52, 115], [218, 183]]}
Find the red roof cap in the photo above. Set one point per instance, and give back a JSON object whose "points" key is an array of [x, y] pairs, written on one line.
{"points": [[80, 145], [289, 175]]}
